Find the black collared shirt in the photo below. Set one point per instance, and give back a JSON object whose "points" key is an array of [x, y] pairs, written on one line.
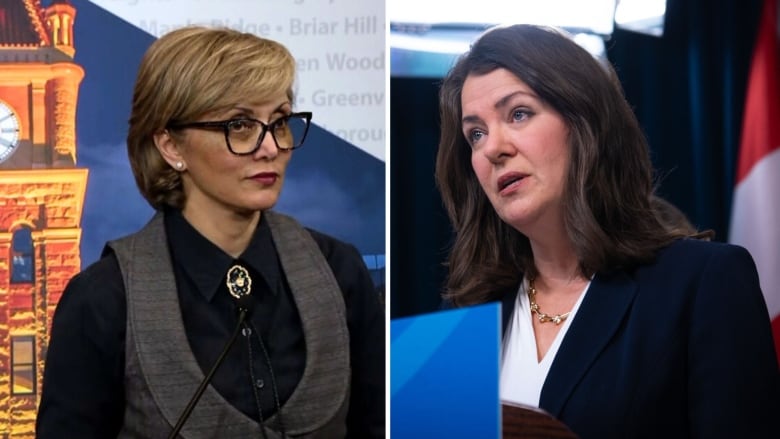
{"points": [[83, 392], [210, 316]]}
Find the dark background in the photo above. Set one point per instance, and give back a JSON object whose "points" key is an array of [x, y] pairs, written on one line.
{"points": [[687, 89]]}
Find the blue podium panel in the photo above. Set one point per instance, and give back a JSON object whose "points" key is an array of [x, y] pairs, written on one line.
{"points": [[444, 374]]}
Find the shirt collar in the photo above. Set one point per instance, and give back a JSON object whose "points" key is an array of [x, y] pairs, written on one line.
{"points": [[207, 265]]}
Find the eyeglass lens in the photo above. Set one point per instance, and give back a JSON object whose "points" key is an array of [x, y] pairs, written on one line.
{"points": [[244, 135]]}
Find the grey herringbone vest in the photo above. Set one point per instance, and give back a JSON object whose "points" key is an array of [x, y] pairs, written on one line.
{"points": [[161, 373]]}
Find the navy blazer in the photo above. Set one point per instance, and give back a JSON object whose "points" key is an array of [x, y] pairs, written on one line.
{"points": [[679, 348]]}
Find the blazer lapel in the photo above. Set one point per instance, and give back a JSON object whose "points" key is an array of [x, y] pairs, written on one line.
{"points": [[598, 318]]}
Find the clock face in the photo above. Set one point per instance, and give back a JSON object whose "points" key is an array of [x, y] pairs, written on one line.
{"points": [[9, 132]]}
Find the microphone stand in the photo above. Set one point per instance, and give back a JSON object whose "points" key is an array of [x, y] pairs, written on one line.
{"points": [[243, 312]]}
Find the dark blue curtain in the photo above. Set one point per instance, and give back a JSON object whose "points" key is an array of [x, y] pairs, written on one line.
{"points": [[687, 89]]}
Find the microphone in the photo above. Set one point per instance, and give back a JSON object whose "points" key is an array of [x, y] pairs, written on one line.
{"points": [[244, 305]]}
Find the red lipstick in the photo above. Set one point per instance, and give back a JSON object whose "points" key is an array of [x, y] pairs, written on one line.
{"points": [[265, 178]]}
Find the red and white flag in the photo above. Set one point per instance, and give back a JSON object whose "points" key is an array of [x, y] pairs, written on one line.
{"points": [[755, 221]]}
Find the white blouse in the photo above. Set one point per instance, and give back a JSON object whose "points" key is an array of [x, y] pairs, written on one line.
{"points": [[522, 376]]}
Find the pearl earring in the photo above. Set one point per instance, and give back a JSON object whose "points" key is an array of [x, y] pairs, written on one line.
{"points": [[179, 165]]}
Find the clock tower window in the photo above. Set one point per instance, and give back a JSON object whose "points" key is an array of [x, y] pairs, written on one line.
{"points": [[23, 365], [22, 266]]}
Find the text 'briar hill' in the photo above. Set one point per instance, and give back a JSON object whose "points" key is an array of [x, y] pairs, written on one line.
{"points": [[296, 27]]}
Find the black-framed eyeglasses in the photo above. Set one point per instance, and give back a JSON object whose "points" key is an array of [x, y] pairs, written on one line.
{"points": [[244, 135]]}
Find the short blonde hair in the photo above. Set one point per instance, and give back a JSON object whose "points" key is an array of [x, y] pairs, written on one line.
{"points": [[187, 74]]}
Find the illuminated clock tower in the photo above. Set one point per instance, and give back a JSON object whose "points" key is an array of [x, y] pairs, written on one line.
{"points": [[41, 194]]}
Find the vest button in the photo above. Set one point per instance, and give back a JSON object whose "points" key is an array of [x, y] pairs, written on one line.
{"points": [[260, 384]]}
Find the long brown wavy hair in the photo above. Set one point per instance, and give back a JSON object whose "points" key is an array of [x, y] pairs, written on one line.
{"points": [[609, 218]]}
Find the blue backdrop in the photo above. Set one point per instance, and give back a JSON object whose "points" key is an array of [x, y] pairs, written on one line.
{"points": [[331, 185]]}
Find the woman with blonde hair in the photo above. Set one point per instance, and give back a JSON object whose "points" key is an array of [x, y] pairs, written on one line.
{"points": [[220, 318]]}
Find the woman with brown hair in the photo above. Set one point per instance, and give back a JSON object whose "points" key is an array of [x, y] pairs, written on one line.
{"points": [[216, 278], [615, 322]]}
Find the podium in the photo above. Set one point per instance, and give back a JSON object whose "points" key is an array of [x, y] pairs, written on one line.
{"points": [[444, 375], [525, 422]]}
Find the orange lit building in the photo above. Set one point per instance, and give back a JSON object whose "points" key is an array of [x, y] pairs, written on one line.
{"points": [[41, 194]]}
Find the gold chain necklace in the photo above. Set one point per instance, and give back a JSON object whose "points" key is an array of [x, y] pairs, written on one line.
{"points": [[543, 318]]}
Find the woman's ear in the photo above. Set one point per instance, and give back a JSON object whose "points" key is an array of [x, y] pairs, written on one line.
{"points": [[169, 149]]}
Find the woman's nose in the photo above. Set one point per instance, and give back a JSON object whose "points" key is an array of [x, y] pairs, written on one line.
{"points": [[498, 145], [268, 148]]}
